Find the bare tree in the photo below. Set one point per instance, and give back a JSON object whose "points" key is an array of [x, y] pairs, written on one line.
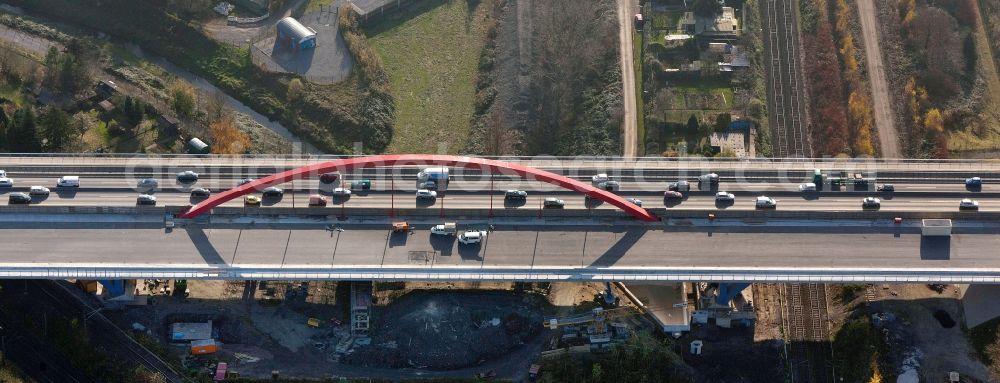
{"points": [[215, 106]]}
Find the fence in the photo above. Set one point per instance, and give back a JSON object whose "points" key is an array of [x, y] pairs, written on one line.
{"points": [[247, 20]]}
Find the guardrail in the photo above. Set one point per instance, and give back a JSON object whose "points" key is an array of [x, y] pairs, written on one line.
{"points": [[663, 213]]}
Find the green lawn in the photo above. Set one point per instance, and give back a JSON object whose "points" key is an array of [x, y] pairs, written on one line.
{"points": [[433, 60]]}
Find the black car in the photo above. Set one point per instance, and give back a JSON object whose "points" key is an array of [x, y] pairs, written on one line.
{"points": [[679, 186], [201, 192], [18, 198], [329, 178], [187, 176], [516, 195], [273, 192], [888, 188]]}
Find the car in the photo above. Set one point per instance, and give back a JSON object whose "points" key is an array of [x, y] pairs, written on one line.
{"points": [[244, 181], [68, 181], [3, 173], [472, 236], [871, 203], [147, 184], [710, 178], [724, 197], [6, 182], [38, 190], [18, 198], [679, 186], [635, 201], [553, 203], [764, 202], [273, 191], [317, 200], [807, 187], [329, 178], [426, 194], [201, 192], [251, 200], [145, 199], [670, 194], [429, 185], [341, 192], [187, 176], [610, 185], [968, 204], [887, 188], [974, 182], [598, 178], [515, 195]]}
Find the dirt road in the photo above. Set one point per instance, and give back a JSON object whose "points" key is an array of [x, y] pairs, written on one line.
{"points": [[887, 135], [626, 8]]}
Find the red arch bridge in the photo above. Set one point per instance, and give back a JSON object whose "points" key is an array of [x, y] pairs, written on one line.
{"points": [[487, 165]]}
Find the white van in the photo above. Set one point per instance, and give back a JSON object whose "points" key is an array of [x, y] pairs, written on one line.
{"points": [[472, 236], [68, 181]]}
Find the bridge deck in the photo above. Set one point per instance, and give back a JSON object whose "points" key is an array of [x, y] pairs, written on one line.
{"points": [[847, 253]]}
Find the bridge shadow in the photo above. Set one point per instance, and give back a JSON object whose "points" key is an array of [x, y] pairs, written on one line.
{"points": [[398, 238], [204, 246], [66, 192], [471, 251], [618, 250], [935, 248], [443, 244]]}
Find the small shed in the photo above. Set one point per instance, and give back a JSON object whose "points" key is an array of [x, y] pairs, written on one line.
{"points": [[197, 146], [167, 124], [295, 35], [106, 106]]}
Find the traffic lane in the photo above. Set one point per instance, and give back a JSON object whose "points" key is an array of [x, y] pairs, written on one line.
{"points": [[652, 184], [633, 248], [814, 202]]}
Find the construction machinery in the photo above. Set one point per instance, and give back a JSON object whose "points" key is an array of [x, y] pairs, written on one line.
{"points": [[599, 326]]}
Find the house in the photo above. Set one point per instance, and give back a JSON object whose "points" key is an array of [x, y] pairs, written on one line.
{"points": [[738, 138], [295, 35], [167, 124], [106, 88], [724, 25]]}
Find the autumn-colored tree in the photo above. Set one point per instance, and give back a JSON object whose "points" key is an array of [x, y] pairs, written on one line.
{"points": [[908, 9], [860, 114], [227, 138], [933, 121]]}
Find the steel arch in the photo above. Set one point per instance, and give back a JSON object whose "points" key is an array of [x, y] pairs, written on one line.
{"points": [[492, 166]]}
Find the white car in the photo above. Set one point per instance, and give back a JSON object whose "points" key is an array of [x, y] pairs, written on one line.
{"points": [[764, 202], [724, 197], [598, 178], [807, 187], [38, 190], [341, 192], [6, 182], [871, 203], [426, 194], [472, 236], [968, 204], [3, 173], [448, 228]]}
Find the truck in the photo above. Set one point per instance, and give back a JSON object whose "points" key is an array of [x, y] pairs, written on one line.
{"points": [[447, 228], [817, 177], [439, 175], [433, 179]]}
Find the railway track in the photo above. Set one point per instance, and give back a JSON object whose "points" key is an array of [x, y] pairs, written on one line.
{"points": [[805, 318], [785, 87]]}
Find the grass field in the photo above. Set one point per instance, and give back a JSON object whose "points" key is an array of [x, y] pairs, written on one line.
{"points": [[433, 60]]}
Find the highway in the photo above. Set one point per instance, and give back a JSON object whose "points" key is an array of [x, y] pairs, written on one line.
{"points": [[793, 251], [912, 193]]}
